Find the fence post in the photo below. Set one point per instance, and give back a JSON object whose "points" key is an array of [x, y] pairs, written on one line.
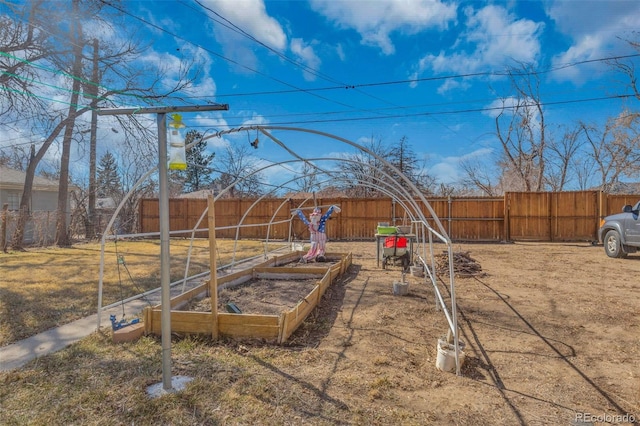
{"points": [[3, 227], [507, 218], [553, 214]]}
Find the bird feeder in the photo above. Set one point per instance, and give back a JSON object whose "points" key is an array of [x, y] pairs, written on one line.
{"points": [[177, 153]]}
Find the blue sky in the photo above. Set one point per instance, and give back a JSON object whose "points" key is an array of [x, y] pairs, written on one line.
{"points": [[427, 70]]}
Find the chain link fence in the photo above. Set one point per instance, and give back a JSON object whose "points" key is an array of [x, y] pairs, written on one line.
{"points": [[40, 229]]}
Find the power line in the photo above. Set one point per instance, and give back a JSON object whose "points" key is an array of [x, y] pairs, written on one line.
{"points": [[341, 87], [64, 89], [424, 79], [233, 27], [298, 90], [452, 112], [223, 57]]}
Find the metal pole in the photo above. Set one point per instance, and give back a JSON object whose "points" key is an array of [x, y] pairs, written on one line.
{"points": [[93, 89], [165, 284], [165, 317]]}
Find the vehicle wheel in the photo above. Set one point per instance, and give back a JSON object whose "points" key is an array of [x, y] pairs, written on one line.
{"points": [[612, 245]]}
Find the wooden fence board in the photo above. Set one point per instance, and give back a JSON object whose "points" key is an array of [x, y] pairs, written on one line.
{"points": [[534, 216], [574, 215], [529, 216], [614, 203]]}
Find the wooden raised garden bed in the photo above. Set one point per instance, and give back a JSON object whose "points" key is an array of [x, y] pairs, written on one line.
{"points": [[195, 312]]}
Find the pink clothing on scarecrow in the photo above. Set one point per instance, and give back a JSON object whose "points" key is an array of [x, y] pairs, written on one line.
{"points": [[317, 224]]}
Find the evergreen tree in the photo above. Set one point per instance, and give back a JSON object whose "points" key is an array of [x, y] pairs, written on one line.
{"points": [[108, 183], [403, 158], [198, 173]]}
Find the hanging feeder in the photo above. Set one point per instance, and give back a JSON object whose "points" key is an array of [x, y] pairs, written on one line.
{"points": [[177, 152]]}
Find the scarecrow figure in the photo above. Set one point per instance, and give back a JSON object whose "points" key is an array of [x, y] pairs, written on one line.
{"points": [[316, 225]]}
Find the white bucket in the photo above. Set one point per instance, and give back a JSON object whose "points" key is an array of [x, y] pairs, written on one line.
{"points": [[446, 359], [417, 270], [297, 246], [400, 288]]}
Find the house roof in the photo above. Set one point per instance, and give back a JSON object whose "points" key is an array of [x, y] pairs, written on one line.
{"points": [[203, 193], [622, 188], [329, 192], [14, 179]]}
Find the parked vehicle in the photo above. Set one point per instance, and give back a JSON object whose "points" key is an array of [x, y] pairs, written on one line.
{"points": [[620, 233]]}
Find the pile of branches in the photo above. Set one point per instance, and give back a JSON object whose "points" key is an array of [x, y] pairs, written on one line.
{"points": [[463, 265]]}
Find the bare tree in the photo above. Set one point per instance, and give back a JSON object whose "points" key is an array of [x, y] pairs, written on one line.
{"points": [[134, 163], [522, 132], [16, 156], [75, 36], [562, 155], [628, 70], [477, 176], [615, 150], [362, 168], [237, 170], [308, 180], [403, 158], [52, 49], [22, 43]]}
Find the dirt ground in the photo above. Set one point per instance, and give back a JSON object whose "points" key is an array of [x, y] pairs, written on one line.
{"points": [[263, 296], [551, 332], [551, 335], [259, 297]]}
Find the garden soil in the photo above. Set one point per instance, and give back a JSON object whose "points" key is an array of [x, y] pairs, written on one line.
{"points": [[551, 334]]}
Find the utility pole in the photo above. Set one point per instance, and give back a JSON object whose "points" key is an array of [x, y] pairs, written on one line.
{"points": [[93, 91], [163, 207]]}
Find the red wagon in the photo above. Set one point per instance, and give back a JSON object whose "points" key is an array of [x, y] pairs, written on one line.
{"points": [[395, 250]]}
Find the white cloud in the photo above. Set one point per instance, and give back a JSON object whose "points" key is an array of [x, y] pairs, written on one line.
{"points": [[251, 16], [376, 20], [598, 29], [493, 38], [500, 37], [170, 66], [526, 109], [340, 52], [213, 122], [448, 169], [306, 55], [498, 105], [451, 84], [254, 120]]}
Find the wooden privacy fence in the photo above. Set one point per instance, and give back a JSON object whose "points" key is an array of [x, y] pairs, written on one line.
{"points": [[517, 216]]}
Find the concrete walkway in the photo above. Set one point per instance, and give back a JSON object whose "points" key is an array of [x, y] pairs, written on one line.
{"points": [[17, 354]]}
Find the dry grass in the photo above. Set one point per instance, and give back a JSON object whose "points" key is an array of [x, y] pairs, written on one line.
{"points": [[95, 382], [543, 343], [45, 288], [98, 382]]}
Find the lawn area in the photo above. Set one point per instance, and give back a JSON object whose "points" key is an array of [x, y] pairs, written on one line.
{"points": [[550, 331], [46, 287]]}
